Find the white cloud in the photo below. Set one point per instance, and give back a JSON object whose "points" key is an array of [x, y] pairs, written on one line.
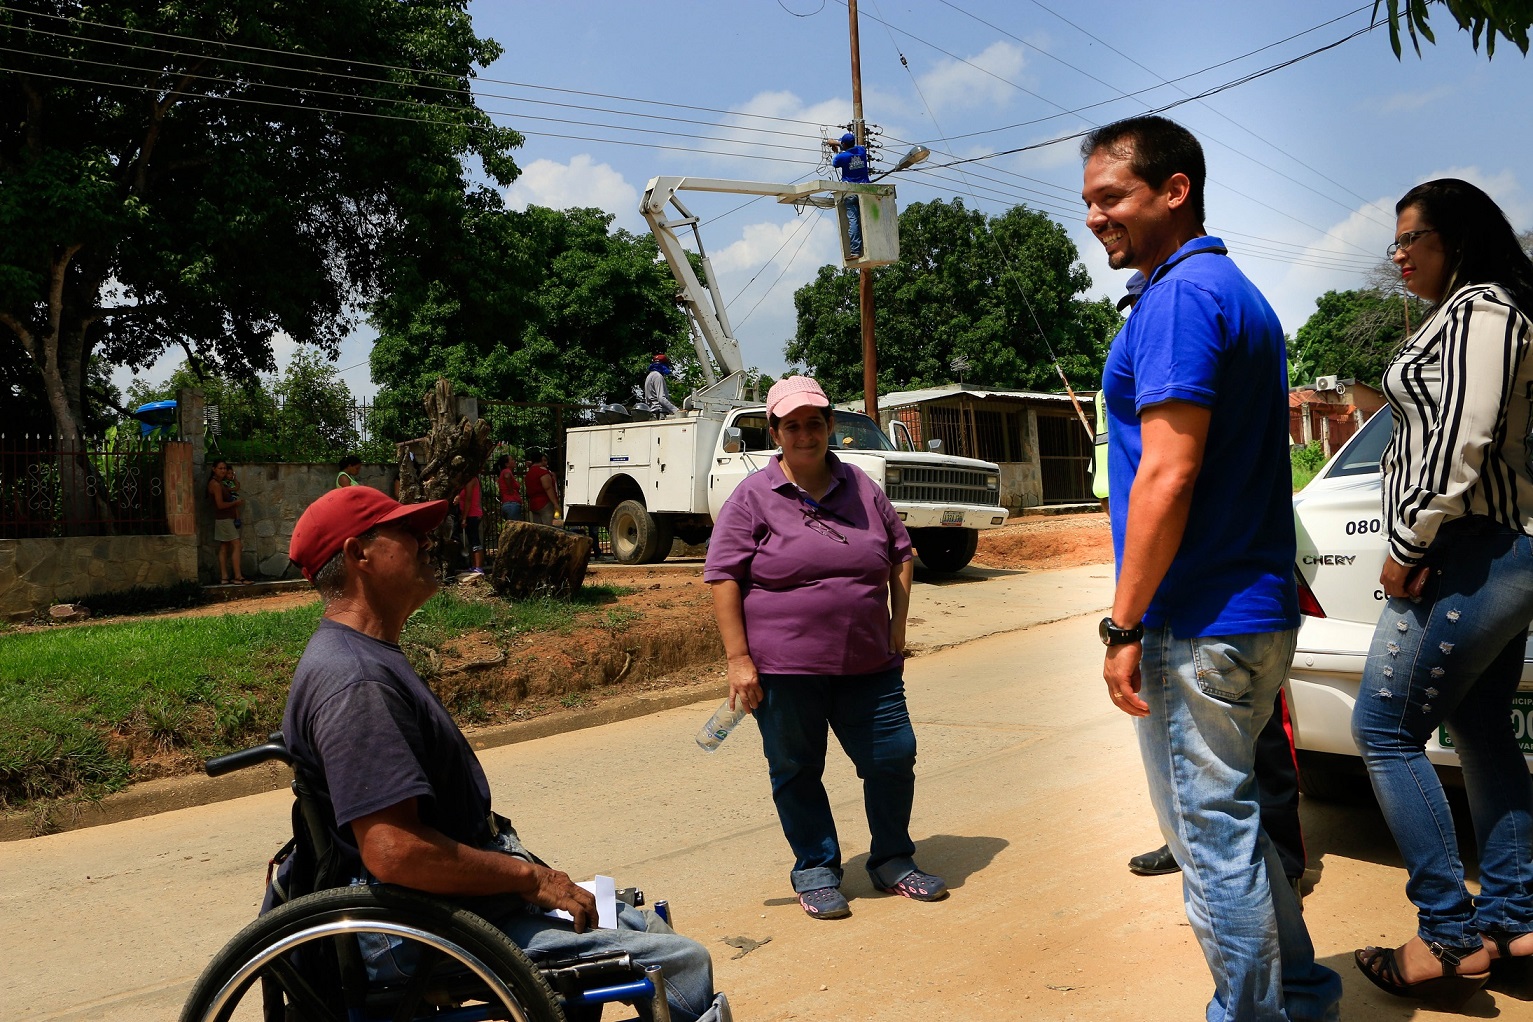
{"points": [[985, 80], [1412, 101], [580, 183]]}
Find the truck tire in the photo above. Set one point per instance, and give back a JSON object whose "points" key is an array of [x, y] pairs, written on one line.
{"points": [[945, 550], [665, 537], [635, 533]]}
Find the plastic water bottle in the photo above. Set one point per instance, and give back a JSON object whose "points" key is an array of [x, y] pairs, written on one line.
{"points": [[723, 721]]}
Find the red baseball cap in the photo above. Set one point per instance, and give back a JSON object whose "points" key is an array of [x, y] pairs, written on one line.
{"points": [[794, 392], [348, 512]]}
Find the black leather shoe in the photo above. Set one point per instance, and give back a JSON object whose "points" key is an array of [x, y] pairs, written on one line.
{"points": [[1154, 864]]}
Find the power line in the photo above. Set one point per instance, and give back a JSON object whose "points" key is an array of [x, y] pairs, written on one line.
{"points": [[307, 108], [362, 63], [1367, 202], [1213, 91], [797, 227], [306, 90], [461, 92], [813, 223]]}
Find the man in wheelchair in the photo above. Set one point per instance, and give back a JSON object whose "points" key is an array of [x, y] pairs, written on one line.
{"points": [[408, 802]]}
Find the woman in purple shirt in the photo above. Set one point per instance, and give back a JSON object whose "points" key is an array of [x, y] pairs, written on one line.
{"points": [[810, 569]]}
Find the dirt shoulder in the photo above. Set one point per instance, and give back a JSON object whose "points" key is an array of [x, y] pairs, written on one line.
{"points": [[656, 646]]}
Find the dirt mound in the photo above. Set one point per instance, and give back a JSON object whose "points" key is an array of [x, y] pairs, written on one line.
{"points": [[1047, 541], [662, 628]]}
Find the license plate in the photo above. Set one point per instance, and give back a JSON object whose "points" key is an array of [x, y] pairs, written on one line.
{"points": [[1522, 724], [952, 518]]}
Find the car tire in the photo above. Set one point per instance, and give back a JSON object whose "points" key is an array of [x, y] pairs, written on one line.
{"points": [[1326, 777]]}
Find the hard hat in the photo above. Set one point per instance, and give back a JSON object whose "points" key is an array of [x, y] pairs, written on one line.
{"points": [[848, 139]]}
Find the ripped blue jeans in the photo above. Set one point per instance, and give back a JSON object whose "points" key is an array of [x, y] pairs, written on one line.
{"points": [[1455, 658]]}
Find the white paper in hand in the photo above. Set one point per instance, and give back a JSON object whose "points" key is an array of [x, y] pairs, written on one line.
{"points": [[604, 890]]}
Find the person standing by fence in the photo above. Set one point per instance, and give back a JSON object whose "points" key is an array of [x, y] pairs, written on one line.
{"points": [[542, 491], [510, 488], [226, 531], [471, 510], [350, 466]]}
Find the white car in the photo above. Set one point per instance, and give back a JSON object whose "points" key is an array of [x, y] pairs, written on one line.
{"points": [[1341, 551]]}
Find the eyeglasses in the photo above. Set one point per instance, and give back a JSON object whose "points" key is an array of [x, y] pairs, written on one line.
{"points": [[812, 519], [1406, 240]]}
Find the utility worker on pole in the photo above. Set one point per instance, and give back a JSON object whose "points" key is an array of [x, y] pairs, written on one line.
{"points": [[852, 162]]}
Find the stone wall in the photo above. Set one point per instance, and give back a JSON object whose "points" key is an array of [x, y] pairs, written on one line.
{"points": [[275, 494], [37, 573]]}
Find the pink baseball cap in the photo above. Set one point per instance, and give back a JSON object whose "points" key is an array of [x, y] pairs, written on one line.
{"points": [[794, 392], [342, 514]]}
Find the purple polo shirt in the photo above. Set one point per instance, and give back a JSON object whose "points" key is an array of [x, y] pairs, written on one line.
{"points": [[813, 604]]}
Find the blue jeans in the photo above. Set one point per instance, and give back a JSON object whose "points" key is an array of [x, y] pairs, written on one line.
{"points": [[868, 714], [688, 969], [1209, 698], [644, 935], [853, 206], [1455, 657], [511, 511]]}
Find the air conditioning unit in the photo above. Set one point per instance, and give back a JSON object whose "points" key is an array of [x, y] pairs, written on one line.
{"points": [[1325, 383]]}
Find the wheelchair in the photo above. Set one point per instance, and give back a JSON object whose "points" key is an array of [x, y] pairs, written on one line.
{"points": [[356, 953]]}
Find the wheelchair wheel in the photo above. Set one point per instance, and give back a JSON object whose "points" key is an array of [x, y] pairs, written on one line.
{"points": [[303, 961]]}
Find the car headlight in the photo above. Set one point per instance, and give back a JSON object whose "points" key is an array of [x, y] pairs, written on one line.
{"points": [[891, 475], [992, 481]]}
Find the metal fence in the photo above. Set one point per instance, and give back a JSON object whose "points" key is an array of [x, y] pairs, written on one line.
{"points": [[295, 434], [51, 488]]}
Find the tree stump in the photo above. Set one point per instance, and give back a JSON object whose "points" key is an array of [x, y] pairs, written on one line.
{"points": [[534, 559]]}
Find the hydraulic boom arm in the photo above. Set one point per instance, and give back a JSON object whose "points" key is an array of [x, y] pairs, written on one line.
{"points": [[711, 332]]}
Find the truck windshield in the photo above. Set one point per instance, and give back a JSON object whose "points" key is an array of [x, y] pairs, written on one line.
{"points": [[854, 431]]}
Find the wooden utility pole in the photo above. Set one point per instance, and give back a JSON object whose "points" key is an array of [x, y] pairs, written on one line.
{"points": [[864, 276]]}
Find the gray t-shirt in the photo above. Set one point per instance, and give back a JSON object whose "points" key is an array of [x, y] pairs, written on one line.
{"points": [[370, 733]]}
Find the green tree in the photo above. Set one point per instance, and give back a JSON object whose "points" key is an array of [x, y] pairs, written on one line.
{"points": [[207, 174], [542, 305], [242, 410], [1353, 334], [999, 292], [1488, 18], [316, 422], [305, 414]]}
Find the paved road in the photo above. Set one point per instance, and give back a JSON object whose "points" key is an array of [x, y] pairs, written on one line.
{"points": [[1030, 798]]}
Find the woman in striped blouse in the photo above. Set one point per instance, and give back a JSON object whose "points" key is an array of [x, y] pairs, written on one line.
{"points": [[1458, 508]]}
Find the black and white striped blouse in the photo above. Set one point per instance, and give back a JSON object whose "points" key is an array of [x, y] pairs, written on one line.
{"points": [[1462, 392]]}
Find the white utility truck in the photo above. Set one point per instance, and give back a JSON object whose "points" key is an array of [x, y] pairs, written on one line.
{"points": [[654, 481]]}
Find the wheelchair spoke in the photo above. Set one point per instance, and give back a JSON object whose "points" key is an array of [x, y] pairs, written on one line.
{"points": [[410, 997], [309, 1005]]}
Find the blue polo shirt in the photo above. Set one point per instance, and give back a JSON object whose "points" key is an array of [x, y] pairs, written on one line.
{"points": [[853, 164], [1203, 333]]}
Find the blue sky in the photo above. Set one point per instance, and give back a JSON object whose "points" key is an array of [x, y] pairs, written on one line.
{"points": [[1305, 163]]}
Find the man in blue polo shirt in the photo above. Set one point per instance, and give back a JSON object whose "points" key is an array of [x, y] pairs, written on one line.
{"points": [[1205, 610]]}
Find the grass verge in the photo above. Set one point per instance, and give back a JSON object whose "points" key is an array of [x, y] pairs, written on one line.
{"points": [[88, 709]]}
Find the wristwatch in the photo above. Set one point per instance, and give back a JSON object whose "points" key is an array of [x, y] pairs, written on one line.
{"points": [[1112, 635]]}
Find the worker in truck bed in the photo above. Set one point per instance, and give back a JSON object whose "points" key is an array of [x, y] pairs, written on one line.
{"points": [[656, 401]]}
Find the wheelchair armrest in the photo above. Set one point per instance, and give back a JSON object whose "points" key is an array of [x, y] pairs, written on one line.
{"points": [[275, 748]]}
